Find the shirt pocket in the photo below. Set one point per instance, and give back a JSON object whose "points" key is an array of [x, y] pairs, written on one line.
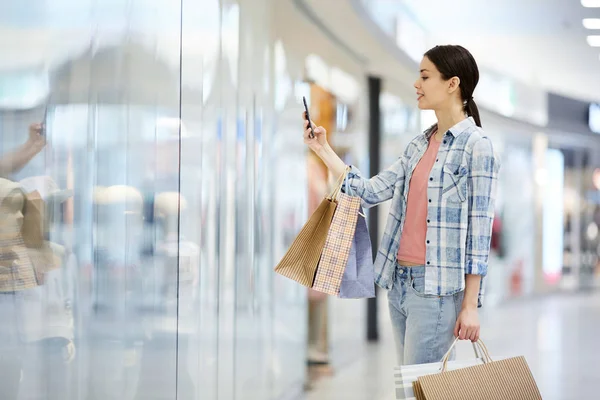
{"points": [[454, 189]]}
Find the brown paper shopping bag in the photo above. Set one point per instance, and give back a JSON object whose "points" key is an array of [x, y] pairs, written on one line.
{"points": [[300, 261], [509, 378]]}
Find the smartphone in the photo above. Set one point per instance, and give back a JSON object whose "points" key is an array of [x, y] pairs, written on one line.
{"points": [[312, 132]]}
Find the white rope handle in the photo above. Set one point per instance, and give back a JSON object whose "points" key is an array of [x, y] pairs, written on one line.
{"points": [[478, 347]]}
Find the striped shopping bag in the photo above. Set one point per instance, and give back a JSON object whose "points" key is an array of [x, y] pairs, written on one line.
{"points": [[405, 375], [457, 379], [300, 261], [336, 251], [509, 378]]}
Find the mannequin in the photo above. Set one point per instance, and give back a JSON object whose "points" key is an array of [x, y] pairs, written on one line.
{"points": [[48, 321], [114, 327], [12, 255], [36, 315]]}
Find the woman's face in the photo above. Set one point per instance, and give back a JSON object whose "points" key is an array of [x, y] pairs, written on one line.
{"points": [[433, 92]]}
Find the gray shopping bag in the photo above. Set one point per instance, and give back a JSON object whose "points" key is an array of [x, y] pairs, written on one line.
{"points": [[358, 280]]}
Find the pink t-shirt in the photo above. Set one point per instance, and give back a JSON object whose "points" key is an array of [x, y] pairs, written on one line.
{"points": [[414, 232]]}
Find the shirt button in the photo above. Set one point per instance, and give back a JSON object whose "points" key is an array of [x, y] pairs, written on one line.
{"points": [[430, 179], [428, 263], [428, 242], [430, 200], [428, 221], [437, 160], [444, 142]]}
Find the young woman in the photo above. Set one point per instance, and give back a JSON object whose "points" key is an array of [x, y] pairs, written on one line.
{"points": [[434, 252]]}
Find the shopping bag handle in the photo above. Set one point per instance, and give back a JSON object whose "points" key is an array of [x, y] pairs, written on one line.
{"points": [[338, 188], [480, 349], [338, 184]]}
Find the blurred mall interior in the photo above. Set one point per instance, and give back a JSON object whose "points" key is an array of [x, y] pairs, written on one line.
{"points": [[170, 176]]}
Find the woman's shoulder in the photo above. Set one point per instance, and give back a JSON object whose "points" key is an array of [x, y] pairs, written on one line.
{"points": [[419, 140], [479, 145], [475, 135]]}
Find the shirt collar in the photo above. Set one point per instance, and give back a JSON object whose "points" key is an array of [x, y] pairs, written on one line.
{"points": [[455, 130]]}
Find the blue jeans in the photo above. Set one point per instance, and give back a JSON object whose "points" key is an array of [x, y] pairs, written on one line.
{"points": [[423, 324]]}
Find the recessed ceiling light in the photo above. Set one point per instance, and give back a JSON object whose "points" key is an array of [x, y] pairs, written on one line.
{"points": [[594, 40], [590, 3], [591, 23]]}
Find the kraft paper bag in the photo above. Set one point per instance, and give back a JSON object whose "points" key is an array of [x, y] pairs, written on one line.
{"points": [[300, 261], [302, 258], [509, 378], [406, 375]]}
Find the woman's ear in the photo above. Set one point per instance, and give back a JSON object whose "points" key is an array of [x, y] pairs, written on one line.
{"points": [[453, 84]]}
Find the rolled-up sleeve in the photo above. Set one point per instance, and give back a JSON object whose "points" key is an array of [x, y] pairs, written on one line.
{"points": [[482, 183], [379, 188]]}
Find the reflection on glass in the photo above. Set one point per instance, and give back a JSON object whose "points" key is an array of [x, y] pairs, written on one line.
{"points": [[137, 201]]}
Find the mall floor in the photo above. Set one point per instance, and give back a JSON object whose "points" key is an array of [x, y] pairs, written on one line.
{"points": [[559, 335]]}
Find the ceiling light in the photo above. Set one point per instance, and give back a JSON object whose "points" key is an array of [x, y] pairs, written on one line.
{"points": [[591, 23], [591, 3], [594, 40]]}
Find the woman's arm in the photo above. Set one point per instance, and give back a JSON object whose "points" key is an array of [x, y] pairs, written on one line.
{"points": [[333, 162], [372, 191], [15, 161], [379, 188], [482, 182], [483, 176], [467, 324]]}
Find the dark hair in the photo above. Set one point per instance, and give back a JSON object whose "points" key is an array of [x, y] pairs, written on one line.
{"points": [[457, 61]]}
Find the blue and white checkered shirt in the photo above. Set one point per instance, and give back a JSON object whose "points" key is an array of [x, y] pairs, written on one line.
{"points": [[460, 212]]}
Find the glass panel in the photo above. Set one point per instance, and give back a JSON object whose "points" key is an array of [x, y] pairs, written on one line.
{"points": [[201, 177], [98, 318], [285, 167], [141, 230]]}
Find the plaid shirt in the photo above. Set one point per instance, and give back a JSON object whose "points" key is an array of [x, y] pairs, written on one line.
{"points": [[461, 194]]}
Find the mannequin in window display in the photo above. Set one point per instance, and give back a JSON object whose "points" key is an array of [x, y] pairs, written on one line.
{"points": [[177, 290], [16, 275], [114, 327], [47, 310], [36, 334], [18, 263], [118, 224]]}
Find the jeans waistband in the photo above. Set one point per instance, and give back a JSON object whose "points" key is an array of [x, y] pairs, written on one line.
{"points": [[417, 271]]}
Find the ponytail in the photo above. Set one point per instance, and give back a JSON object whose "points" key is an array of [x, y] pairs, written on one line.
{"points": [[473, 111]]}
